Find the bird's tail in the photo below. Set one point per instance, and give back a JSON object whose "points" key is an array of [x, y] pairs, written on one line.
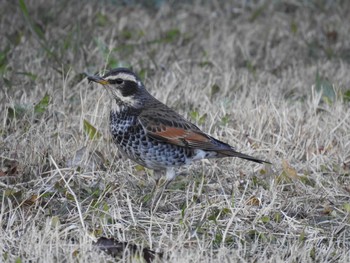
{"points": [[233, 153]]}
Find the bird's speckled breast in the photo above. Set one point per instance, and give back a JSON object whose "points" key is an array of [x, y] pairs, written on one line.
{"points": [[132, 141]]}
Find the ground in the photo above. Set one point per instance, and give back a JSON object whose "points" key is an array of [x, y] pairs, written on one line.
{"points": [[270, 78]]}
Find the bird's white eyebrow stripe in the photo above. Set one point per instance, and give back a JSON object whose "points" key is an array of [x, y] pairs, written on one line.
{"points": [[123, 76]]}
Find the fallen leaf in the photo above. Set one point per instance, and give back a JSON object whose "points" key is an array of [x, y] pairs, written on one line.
{"points": [[289, 170], [31, 200], [42, 104], [91, 131], [325, 88], [10, 168], [254, 201], [332, 36]]}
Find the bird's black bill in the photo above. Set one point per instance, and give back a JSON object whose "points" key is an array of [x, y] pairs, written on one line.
{"points": [[97, 79]]}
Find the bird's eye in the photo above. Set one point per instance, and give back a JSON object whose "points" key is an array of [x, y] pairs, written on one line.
{"points": [[119, 81]]}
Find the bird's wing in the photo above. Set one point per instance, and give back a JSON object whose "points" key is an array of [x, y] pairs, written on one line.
{"points": [[163, 124]]}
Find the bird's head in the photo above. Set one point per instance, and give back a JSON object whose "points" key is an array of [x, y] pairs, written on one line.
{"points": [[123, 85]]}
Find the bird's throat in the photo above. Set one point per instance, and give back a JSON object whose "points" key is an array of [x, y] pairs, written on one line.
{"points": [[120, 108]]}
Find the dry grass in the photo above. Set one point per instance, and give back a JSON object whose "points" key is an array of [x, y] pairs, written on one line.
{"points": [[271, 79]]}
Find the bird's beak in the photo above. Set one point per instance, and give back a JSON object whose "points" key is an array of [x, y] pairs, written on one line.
{"points": [[97, 79]]}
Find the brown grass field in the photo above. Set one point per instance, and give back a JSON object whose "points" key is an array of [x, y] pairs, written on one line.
{"points": [[271, 78]]}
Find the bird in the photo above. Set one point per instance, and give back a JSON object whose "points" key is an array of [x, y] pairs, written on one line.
{"points": [[153, 135]]}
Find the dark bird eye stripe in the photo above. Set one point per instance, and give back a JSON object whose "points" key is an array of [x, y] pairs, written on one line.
{"points": [[129, 88], [116, 81]]}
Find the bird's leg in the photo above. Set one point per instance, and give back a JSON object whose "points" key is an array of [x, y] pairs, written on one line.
{"points": [[158, 175], [147, 199], [162, 185]]}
